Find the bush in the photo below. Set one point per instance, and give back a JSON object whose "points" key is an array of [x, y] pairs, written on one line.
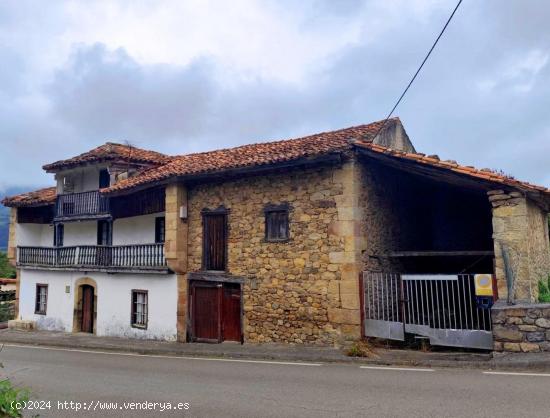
{"points": [[9, 395], [6, 269], [544, 290], [7, 311]]}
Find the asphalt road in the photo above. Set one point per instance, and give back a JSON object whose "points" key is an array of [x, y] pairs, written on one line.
{"points": [[240, 388]]}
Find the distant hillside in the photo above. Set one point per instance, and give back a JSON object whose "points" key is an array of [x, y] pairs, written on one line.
{"points": [[4, 227], [5, 213]]}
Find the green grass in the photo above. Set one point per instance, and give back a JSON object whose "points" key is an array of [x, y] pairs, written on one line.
{"points": [[544, 290]]}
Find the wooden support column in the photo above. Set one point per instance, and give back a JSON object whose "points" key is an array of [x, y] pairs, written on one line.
{"points": [[175, 249]]}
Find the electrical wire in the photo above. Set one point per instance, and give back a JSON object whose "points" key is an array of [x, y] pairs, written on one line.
{"points": [[418, 71]]}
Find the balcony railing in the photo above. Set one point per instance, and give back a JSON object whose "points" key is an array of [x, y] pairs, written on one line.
{"points": [[123, 257], [81, 205]]}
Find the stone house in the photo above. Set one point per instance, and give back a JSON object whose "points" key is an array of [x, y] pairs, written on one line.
{"points": [[263, 242]]}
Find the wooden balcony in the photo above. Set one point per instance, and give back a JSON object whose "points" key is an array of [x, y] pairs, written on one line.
{"points": [[114, 258], [78, 206]]}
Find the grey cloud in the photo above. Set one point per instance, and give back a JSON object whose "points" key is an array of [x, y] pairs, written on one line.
{"points": [[102, 94]]}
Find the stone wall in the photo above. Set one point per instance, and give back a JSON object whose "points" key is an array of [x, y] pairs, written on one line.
{"points": [[175, 250], [380, 225], [304, 290], [520, 229], [521, 328]]}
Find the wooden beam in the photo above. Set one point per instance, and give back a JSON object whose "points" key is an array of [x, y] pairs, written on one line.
{"points": [[439, 174], [452, 253]]}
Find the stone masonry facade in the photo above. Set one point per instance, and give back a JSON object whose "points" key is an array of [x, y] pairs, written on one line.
{"points": [[521, 328], [520, 228], [304, 290]]}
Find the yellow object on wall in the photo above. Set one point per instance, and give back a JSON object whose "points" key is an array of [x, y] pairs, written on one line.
{"points": [[483, 284]]}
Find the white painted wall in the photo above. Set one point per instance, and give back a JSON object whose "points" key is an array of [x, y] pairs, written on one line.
{"points": [[34, 235], [126, 231], [113, 302], [135, 230], [84, 179], [80, 233]]}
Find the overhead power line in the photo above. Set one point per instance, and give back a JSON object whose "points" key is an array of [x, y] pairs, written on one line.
{"points": [[418, 71]]}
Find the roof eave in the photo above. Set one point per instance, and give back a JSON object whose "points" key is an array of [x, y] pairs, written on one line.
{"points": [[328, 158], [539, 196]]}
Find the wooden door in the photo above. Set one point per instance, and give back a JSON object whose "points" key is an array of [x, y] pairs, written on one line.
{"points": [[87, 309], [206, 310], [214, 242], [231, 312]]}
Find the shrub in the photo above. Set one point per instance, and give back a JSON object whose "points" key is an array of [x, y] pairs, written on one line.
{"points": [[361, 349], [6, 269], [544, 290], [9, 395], [7, 311]]}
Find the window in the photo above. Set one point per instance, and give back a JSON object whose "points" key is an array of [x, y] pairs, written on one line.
{"points": [[104, 178], [276, 222], [58, 233], [159, 229], [41, 301], [140, 308], [214, 239], [104, 233]]}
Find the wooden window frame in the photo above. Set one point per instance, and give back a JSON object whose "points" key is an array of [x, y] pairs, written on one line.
{"points": [[158, 221], [270, 209], [36, 304], [109, 226], [57, 242], [221, 210], [133, 312]]}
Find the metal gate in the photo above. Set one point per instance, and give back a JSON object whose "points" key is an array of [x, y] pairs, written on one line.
{"points": [[440, 307]]}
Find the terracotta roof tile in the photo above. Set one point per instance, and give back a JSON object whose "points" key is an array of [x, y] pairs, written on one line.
{"points": [[451, 165], [108, 152], [37, 198], [254, 155]]}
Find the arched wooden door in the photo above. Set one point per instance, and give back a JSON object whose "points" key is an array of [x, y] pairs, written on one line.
{"points": [[87, 324]]}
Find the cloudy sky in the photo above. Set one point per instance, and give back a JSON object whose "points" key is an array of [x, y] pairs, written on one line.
{"points": [[183, 76]]}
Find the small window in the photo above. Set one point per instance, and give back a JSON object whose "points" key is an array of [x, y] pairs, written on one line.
{"points": [[140, 308], [104, 178], [276, 223], [58, 235], [104, 233], [160, 227], [41, 301]]}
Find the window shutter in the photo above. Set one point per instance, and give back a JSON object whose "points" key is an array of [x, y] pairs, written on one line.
{"points": [[276, 223], [160, 228]]}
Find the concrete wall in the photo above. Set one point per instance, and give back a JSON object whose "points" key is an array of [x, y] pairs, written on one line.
{"points": [[113, 302], [135, 230]]}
